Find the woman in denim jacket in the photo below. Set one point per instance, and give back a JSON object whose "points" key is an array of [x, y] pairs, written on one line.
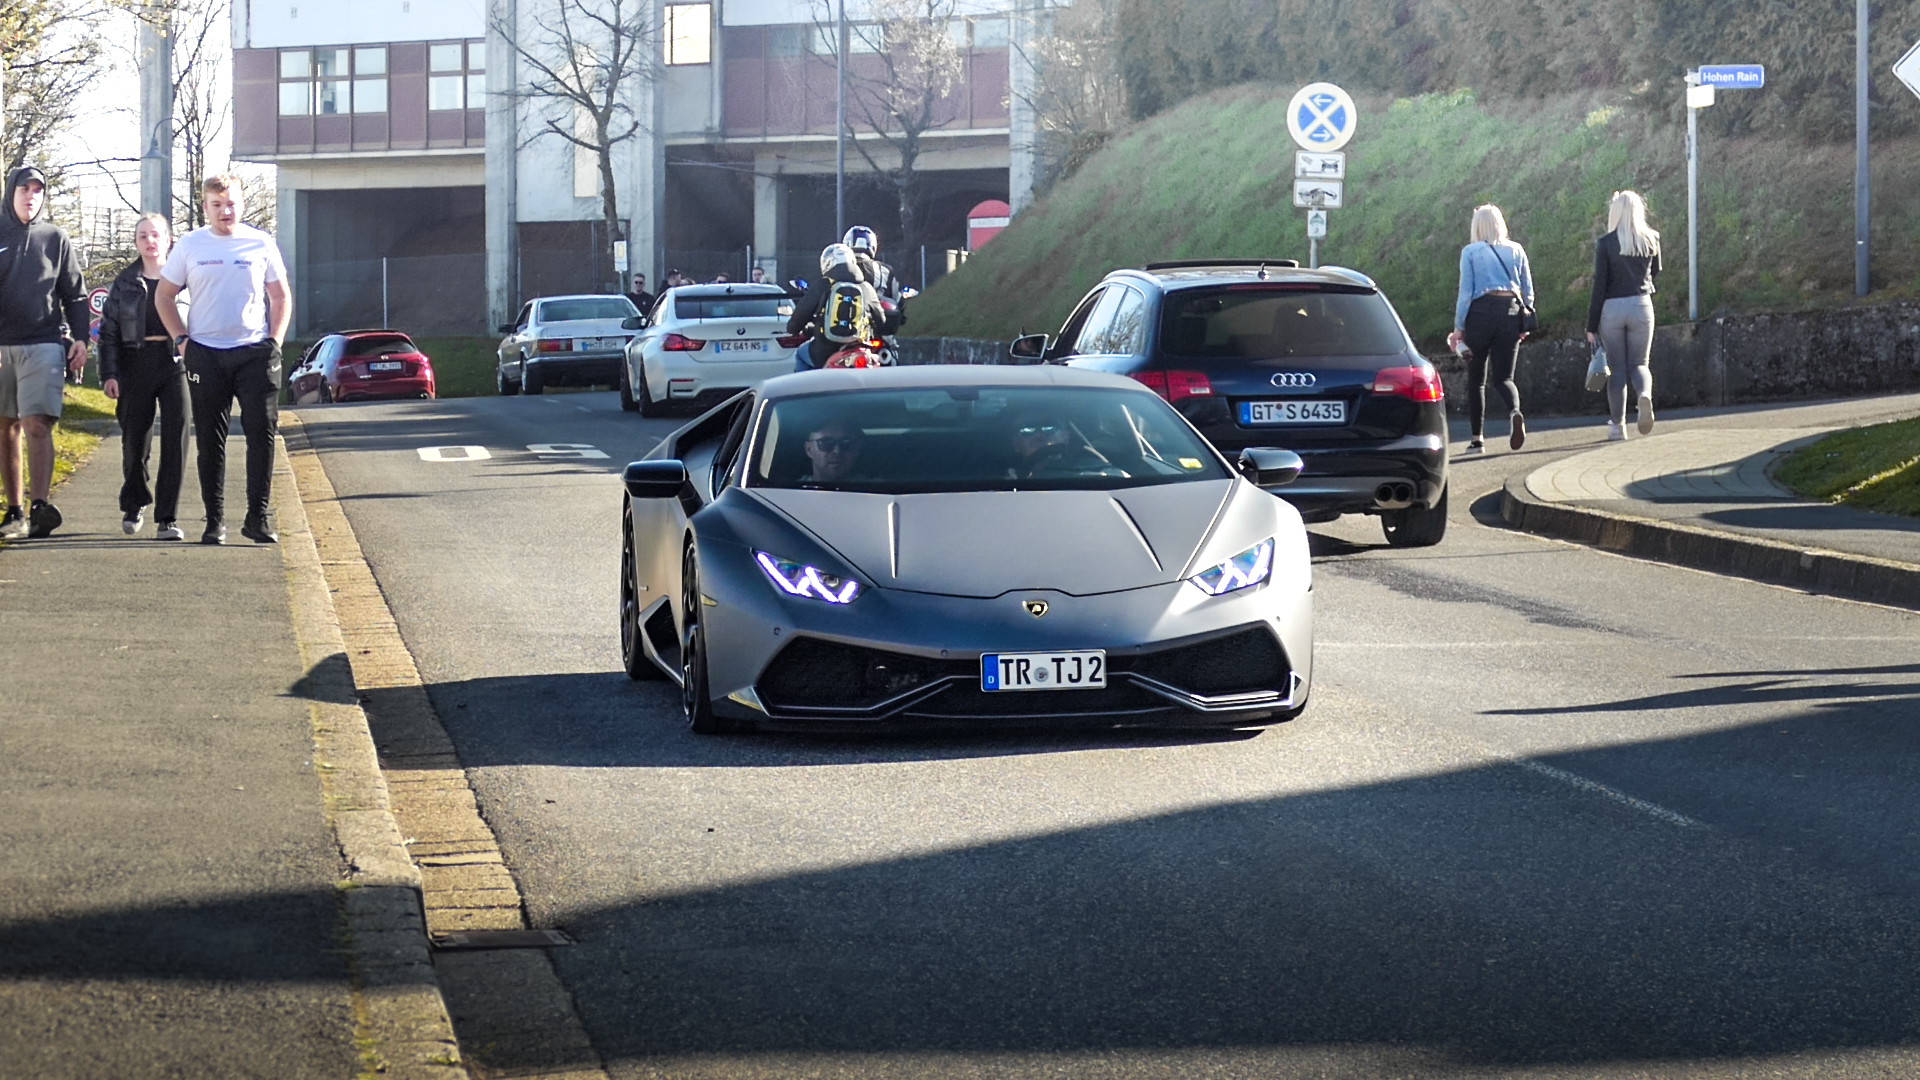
{"points": [[1495, 281]]}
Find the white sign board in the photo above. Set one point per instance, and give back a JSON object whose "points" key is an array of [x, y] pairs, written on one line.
{"points": [[1316, 224], [1699, 97], [1321, 117], [1318, 194], [1313, 165], [1908, 69]]}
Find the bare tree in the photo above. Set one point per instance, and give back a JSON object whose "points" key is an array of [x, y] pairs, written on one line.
{"points": [[51, 49], [917, 62], [588, 54], [1078, 97], [202, 102]]}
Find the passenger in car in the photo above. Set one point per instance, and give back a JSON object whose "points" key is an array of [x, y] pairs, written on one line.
{"points": [[1046, 445]]}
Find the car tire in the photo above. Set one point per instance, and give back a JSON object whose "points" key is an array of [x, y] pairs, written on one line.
{"points": [[627, 402], [643, 397], [501, 384], [531, 381], [1416, 526], [696, 704], [633, 650], [326, 394]]}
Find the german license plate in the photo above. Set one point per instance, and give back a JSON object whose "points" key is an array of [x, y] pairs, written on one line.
{"points": [[1293, 412], [596, 344], [1044, 671], [386, 365], [740, 346]]}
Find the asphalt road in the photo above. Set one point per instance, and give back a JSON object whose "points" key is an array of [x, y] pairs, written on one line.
{"points": [[1552, 812]]}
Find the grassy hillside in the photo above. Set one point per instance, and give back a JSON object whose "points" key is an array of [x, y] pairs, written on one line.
{"points": [[1213, 177]]}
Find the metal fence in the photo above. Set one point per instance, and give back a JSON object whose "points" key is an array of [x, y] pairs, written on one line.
{"points": [[420, 294]]}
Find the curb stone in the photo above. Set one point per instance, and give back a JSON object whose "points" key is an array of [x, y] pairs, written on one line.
{"points": [[1854, 577], [401, 1024]]}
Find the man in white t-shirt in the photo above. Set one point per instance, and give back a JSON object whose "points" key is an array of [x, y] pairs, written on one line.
{"points": [[232, 335]]}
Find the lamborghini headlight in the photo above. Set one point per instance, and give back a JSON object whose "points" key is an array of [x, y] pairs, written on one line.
{"points": [[799, 579], [1250, 567]]}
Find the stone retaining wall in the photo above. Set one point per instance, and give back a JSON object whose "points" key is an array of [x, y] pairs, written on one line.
{"points": [[1843, 352]]}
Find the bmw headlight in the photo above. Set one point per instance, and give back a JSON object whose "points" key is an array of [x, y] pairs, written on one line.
{"points": [[799, 579], [1250, 567]]}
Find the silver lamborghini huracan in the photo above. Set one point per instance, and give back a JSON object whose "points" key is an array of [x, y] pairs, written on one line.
{"points": [[970, 547]]}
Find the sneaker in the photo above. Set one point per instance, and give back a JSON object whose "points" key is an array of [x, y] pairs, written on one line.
{"points": [[1519, 437], [259, 529], [134, 522], [1646, 414], [216, 533], [13, 526], [1474, 447], [44, 518], [1616, 432], [167, 530]]}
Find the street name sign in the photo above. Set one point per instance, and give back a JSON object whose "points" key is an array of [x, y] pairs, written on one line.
{"points": [[1318, 194], [1321, 117], [1316, 224], [1734, 76], [1313, 165], [1699, 97], [1908, 69]]}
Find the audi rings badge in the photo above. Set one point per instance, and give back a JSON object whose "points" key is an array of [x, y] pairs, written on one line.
{"points": [[1293, 380]]}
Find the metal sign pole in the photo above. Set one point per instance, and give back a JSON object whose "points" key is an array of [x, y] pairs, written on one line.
{"points": [[1693, 207], [1862, 185]]}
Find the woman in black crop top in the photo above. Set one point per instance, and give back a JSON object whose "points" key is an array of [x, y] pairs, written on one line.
{"points": [[1626, 260], [140, 369]]}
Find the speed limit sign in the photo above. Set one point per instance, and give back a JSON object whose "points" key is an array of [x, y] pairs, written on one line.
{"points": [[97, 301]]}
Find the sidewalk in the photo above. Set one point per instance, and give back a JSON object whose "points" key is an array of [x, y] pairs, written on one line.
{"points": [[180, 889], [1699, 492]]}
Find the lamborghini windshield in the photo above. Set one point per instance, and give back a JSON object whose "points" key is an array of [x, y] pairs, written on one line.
{"points": [[978, 439]]}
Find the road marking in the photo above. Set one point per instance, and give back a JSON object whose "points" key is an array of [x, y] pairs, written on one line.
{"points": [[447, 453], [565, 450], [1595, 787]]}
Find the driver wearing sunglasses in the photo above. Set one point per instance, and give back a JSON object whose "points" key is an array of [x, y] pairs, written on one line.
{"points": [[1045, 444], [834, 450]]}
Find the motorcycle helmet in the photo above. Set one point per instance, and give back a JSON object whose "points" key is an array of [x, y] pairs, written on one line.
{"points": [[839, 255], [863, 240]]}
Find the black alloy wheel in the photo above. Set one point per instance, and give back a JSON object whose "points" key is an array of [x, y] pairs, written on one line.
{"points": [[643, 394], [501, 384], [531, 380], [627, 402], [633, 651], [695, 703], [1416, 526]]}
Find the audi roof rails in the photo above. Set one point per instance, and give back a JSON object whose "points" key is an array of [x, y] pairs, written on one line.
{"points": [[1194, 264]]}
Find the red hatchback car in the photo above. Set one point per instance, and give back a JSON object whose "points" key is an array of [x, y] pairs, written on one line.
{"points": [[360, 365]]}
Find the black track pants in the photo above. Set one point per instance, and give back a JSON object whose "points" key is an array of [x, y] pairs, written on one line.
{"points": [[152, 384], [217, 378]]}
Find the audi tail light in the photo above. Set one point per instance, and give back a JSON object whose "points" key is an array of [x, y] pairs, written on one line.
{"points": [[676, 343], [1175, 385], [1418, 381]]}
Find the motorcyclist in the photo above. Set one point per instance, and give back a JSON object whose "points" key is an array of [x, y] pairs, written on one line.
{"points": [[865, 244], [838, 265]]}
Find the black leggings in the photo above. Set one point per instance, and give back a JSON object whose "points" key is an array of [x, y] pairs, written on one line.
{"points": [[1494, 337], [152, 381]]}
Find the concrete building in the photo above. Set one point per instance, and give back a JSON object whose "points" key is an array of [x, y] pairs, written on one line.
{"points": [[421, 179]]}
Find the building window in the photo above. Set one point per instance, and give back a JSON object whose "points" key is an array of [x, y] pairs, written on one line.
{"points": [[322, 82], [990, 34], [861, 38], [786, 42], [456, 76], [689, 33]]}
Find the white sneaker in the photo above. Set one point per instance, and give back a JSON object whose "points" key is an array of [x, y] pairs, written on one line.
{"points": [[1616, 432], [1646, 414], [1474, 447], [169, 531], [133, 522]]}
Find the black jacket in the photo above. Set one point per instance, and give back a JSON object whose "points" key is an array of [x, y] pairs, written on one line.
{"points": [[123, 324], [1616, 276], [39, 277]]}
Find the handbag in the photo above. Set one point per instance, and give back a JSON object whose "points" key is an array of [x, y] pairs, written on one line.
{"points": [[1529, 321], [1597, 370]]}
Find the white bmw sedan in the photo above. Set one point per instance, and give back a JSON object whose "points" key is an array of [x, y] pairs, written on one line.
{"points": [[702, 344]]}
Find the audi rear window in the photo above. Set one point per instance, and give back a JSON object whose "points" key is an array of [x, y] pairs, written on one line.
{"points": [[1270, 321], [732, 307], [590, 307]]}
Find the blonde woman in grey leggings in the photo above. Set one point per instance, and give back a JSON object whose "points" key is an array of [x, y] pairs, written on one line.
{"points": [[1626, 261]]}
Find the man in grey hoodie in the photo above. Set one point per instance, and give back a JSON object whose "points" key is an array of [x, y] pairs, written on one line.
{"points": [[43, 334]]}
